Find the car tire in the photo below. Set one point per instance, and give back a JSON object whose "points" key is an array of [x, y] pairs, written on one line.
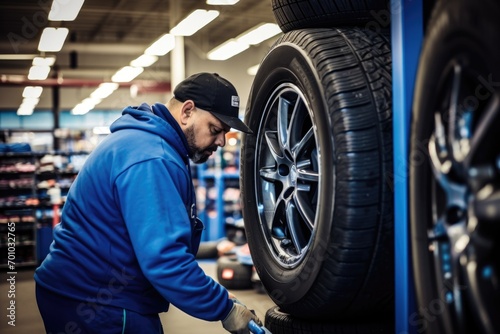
{"points": [[316, 173], [278, 322], [232, 274], [454, 171], [299, 14]]}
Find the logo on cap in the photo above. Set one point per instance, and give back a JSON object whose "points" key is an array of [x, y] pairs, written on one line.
{"points": [[235, 101]]}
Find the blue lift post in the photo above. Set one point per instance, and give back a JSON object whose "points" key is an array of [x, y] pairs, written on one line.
{"points": [[407, 36]]}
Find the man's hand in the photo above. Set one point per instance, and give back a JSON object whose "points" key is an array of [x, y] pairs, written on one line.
{"points": [[237, 320]]}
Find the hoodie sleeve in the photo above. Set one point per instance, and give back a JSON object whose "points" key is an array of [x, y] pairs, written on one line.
{"points": [[150, 195]]}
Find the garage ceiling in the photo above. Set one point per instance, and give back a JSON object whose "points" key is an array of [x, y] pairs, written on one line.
{"points": [[108, 34]]}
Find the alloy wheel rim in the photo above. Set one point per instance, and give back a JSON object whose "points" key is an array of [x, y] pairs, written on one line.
{"points": [[465, 195], [288, 175]]}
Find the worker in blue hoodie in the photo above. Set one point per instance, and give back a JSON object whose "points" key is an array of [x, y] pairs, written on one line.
{"points": [[126, 244]]}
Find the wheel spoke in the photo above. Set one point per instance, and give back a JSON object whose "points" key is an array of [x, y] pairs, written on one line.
{"points": [[278, 221], [273, 144], [439, 168], [306, 142], [440, 137], [294, 225], [269, 173], [296, 125], [307, 175], [488, 123], [282, 126], [304, 208], [453, 109], [487, 205]]}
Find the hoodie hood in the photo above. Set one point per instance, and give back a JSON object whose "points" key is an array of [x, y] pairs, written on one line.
{"points": [[156, 119]]}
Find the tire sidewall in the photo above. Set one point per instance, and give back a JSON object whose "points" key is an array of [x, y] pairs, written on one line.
{"points": [[287, 63]]}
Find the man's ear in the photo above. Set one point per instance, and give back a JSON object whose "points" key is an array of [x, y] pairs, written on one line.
{"points": [[187, 110]]}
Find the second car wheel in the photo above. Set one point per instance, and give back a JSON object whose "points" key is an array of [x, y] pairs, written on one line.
{"points": [[455, 171], [316, 174]]}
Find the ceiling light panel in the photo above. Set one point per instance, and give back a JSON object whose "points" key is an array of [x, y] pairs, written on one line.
{"points": [[144, 61], [52, 39], [161, 46], [65, 10], [32, 91], [30, 102], [126, 74], [222, 2], [25, 111], [227, 50], [104, 90], [194, 22], [38, 72], [259, 34], [44, 61], [80, 109]]}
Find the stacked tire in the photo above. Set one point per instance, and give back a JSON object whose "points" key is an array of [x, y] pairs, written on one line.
{"points": [[316, 173]]}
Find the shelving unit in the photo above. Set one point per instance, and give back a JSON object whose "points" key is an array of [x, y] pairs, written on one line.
{"points": [[17, 201], [218, 191], [25, 200]]}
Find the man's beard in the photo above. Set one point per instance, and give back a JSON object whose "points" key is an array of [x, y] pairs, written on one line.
{"points": [[196, 154]]}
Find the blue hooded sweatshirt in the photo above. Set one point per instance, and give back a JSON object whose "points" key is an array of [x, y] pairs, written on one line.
{"points": [[128, 233]]}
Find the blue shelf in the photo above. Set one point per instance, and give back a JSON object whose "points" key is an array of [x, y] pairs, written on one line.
{"points": [[213, 175]]}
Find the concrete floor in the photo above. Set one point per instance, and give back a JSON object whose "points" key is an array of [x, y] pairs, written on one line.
{"points": [[28, 320]]}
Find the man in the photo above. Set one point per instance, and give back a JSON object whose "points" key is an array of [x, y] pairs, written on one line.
{"points": [[126, 244]]}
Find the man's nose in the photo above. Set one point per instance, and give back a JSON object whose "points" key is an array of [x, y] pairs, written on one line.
{"points": [[221, 139]]}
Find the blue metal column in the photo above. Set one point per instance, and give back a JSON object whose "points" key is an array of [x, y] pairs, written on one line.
{"points": [[407, 36]]}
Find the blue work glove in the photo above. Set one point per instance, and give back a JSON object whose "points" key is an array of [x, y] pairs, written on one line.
{"points": [[237, 320]]}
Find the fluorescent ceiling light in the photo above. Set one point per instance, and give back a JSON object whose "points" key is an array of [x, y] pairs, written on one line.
{"points": [[144, 61], [38, 72], [44, 61], [221, 2], [30, 102], [227, 50], [27, 106], [126, 74], [253, 70], [239, 44], [101, 130], [259, 33], [80, 109], [52, 39], [65, 10], [91, 102], [194, 22], [85, 106], [25, 110], [32, 91], [104, 90], [162, 46]]}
